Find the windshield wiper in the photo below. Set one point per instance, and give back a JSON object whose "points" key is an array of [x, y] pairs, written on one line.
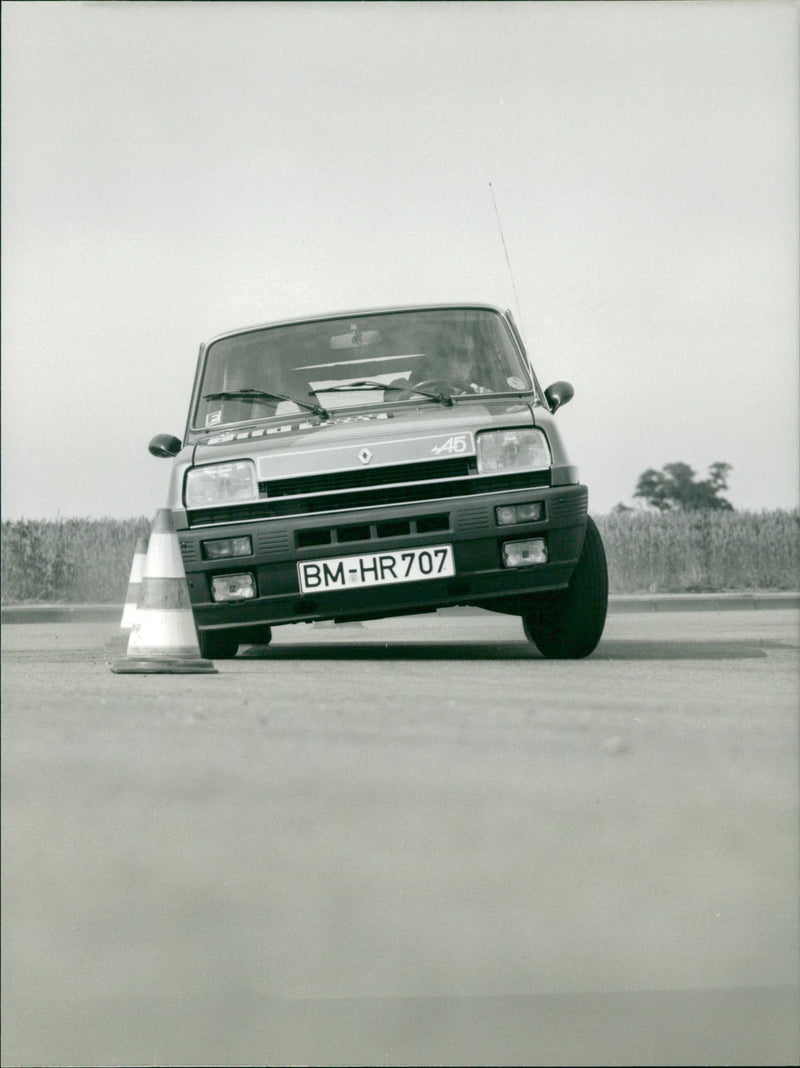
{"points": [[366, 383], [262, 394], [361, 383]]}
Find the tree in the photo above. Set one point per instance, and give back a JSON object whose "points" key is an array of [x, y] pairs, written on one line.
{"points": [[675, 488]]}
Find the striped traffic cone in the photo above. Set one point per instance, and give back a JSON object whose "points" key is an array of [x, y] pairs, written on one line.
{"points": [[163, 637], [134, 585]]}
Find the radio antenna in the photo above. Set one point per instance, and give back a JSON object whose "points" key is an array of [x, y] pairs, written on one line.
{"points": [[505, 251]]}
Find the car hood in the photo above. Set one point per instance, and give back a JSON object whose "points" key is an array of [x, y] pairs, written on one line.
{"points": [[356, 440]]}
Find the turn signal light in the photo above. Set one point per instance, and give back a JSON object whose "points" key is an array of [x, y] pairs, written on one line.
{"points": [[222, 548], [530, 512]]}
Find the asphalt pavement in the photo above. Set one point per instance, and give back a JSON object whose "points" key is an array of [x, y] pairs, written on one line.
{"points": [[412, 841]]}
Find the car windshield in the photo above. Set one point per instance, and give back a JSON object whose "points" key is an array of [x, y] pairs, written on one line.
{"points": [[422, 356]]}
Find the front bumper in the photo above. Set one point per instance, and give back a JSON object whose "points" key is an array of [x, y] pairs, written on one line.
{"points": [[467, 523]]}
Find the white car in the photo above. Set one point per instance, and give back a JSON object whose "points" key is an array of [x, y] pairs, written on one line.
{"points": [[377, 463]]}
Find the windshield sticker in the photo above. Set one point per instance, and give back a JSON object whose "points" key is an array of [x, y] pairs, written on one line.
{"points": [[515, 383], [214, 417]]}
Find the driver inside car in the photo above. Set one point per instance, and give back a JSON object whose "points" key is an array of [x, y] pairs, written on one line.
{"points": [[452, 369], [456, 365]]}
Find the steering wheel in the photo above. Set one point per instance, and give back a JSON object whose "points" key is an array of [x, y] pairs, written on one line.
{"points": [[437, 385]]}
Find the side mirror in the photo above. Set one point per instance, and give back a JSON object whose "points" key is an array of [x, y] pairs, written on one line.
{"points": [[559, 393], [165, 445]]}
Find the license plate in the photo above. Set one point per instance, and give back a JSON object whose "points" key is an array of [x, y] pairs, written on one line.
{"points": [[376, 569]]}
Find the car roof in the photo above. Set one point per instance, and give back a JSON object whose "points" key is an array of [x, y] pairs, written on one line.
{"points": [[355, 313]]}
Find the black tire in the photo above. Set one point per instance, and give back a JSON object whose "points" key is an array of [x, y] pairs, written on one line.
{"points": [[567, 624], [218, 644]]}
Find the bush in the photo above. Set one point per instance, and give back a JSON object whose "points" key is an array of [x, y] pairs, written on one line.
{"points": [[673, 552], [69, 561]]}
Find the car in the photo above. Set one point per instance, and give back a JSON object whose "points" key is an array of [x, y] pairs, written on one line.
{"points": [[375, 463]]}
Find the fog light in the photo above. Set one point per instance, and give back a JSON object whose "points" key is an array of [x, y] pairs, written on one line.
{"points": [[233, 587], [530, 512], [222, 548], [525, 553]]}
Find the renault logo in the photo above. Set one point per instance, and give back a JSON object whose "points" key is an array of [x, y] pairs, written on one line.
{"points": [[365, 456]]}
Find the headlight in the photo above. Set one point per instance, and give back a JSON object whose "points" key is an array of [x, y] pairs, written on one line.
{"points": [[221, 484], [524, 449]]}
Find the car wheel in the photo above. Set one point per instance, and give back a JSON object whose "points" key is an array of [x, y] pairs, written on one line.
{"points": [[218, 644], [567, 624]]}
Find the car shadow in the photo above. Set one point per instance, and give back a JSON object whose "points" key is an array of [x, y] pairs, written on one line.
{"points": [[627, 649]]}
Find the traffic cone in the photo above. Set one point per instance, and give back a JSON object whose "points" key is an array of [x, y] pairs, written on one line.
{"points": [[163, 637], [134, 585]]}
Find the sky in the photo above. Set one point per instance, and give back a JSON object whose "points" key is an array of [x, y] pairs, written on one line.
{"points": [[174, 170]]}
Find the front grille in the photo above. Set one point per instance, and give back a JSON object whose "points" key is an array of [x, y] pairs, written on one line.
{"points": [[457, 467], [473, 519], [370, 498], [390, 528], [272, 541]]}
